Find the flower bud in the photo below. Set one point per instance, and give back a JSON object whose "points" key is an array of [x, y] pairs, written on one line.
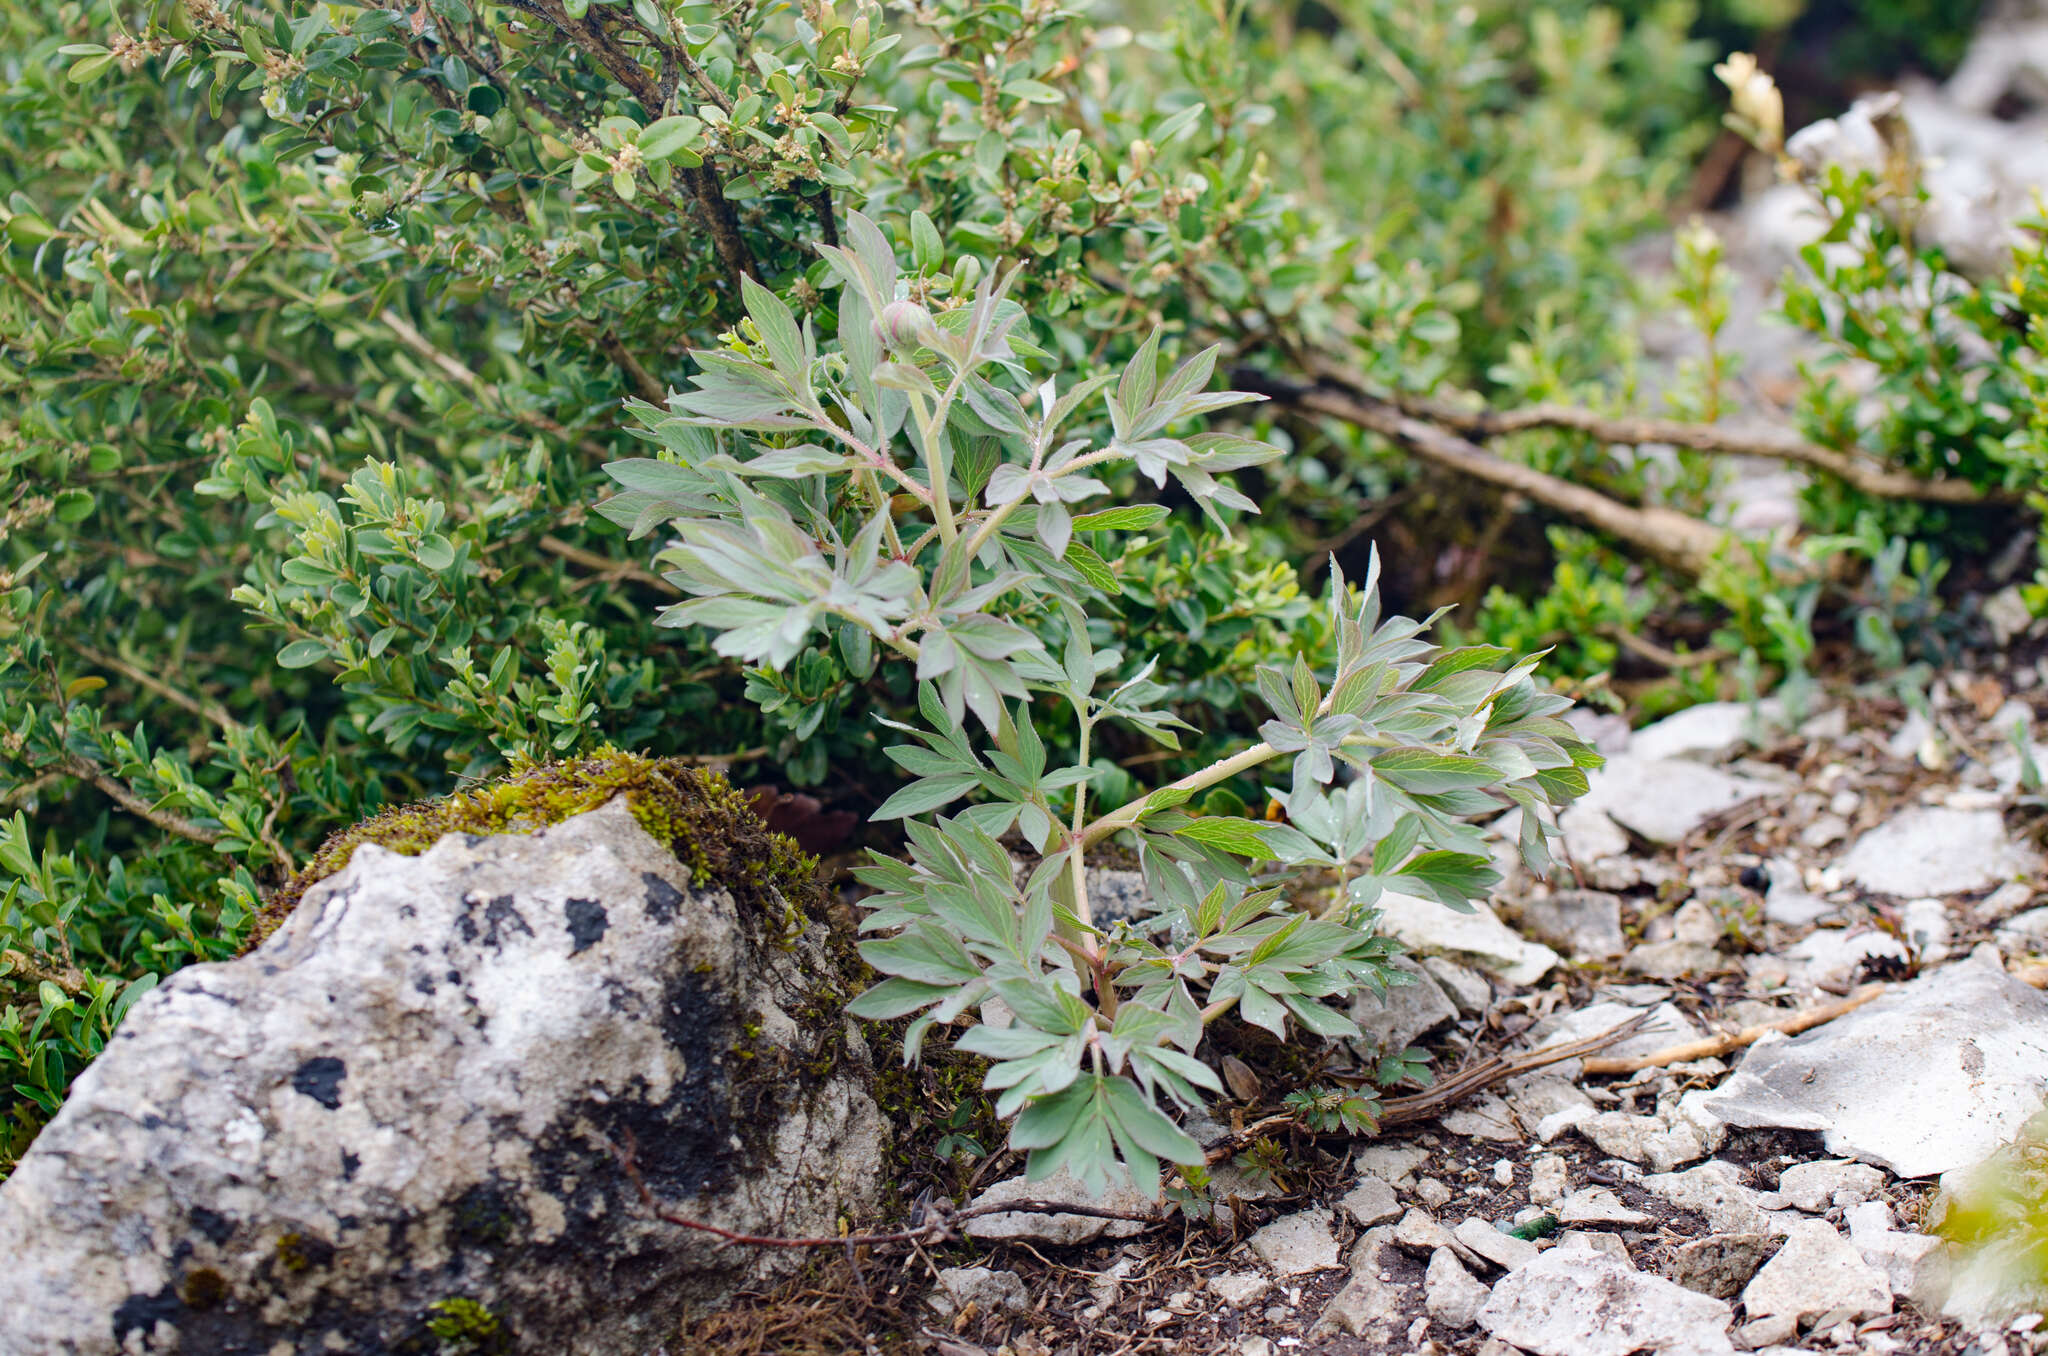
{"points": [[903, 326]]}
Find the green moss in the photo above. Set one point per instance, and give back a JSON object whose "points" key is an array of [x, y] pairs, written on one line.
{"points": [[709, 825]]}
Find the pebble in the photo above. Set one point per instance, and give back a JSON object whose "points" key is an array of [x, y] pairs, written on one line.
{"points": [[1451, 1294], [1719, 1264], [1584, 923], [1814, 1187], [1936, 850], [1297, 1244], [1597, 1205], [1371, 1202], [1239, 1289], [1548, 1177], [1433, 1193], [1817, 1275], [989, 1290], [1578, 1302], [1503, 1250]]}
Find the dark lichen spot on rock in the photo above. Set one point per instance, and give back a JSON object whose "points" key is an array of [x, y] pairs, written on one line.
{"points": [[302, 1252], [349, 1164], [486, 1215], [320, 1079], [141, 1314], [203, 1289], [694, 812], [501, 916], [663, 899], [213, 1226], [587, 923]]}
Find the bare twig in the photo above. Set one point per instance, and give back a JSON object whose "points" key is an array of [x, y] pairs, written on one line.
{"points": [[940, 1227], [1775, 444], [136, 805], [1683, 543], [605, 565], [1711, 1046], [207, 710]]}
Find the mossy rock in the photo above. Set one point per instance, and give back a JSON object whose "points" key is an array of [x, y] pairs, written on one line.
{"points": [[695, 812]]}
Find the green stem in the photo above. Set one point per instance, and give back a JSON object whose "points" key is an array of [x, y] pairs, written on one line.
{"points": [[1194, 781]]}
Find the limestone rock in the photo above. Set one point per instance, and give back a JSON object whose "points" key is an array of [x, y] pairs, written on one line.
{"points": [[1371, 1202], [1714, 1191], [1916, 1265], [1597, 1205], [1964, 1046], [1814, 1187], [418, 1089], [989, 1290], [1707, 732], [1664, 799], [1451, 1294], [1585, 923], [1365, 1300], [1392, 1021], [1478, 938], [1058, 1230], [1719, 1264], [1817, 1275], [1574, 1302], [1503, 1250], [1297, 1244], [1935, 850]]}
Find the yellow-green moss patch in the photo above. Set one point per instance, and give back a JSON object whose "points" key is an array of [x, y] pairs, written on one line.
{"points": [[709, 825]]}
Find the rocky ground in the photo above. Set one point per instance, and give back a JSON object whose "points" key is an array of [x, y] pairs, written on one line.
{"points": [[1732, 867]]}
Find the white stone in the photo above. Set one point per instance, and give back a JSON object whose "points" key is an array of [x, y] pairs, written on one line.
{"points": [[1477, 938], [1719, 1264], [1597, 1205], [1451, 1294], [426, 1076], [1059, 1230], [1238, 1289], [1660, 1143], [1664, 799], [1917, 1266], [1926, 925], [1965, 1047], [1365, 1298], [1707, 732], [1585, 923], [1466, 987], [1933, 850], [1548, 1178], [1714, 1191], [988, 1290], [1483, 1117], [1371, 1202], [1578, 1302], [1590, 836], [1818, 1275], [1394, 1163], [1297, 1244], [1503, 1250], [1390, 1022], [1814, 1187]]}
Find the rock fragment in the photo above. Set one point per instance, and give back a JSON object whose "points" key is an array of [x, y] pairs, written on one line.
{"points": [[1719, 1264], [1371, 1202], [1297, 1244], [1814, 1187], [1574, 1302], [988, 1290], [1964, 1046], [1598, 1205], [1935, 850], [1585, 924], [1503, 1250], [1451, 1294], [1062, 1231], [1817, 1276], [1478, 939]]}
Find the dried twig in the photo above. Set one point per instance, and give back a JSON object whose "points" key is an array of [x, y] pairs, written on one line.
{"points": [[1456, 1088], [1711, 1046], [940, 1226]]}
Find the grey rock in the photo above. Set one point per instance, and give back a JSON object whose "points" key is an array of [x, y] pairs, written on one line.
{"points": [[1817, 1275], [1964, 1046], [1116, 896], [1365, 1300], [1590, 836], [1548, 1178], [2002, 903], [1672, 959], [1536, 1097], [1832, 958], [1707, 732], [1465, 987], [1450, 1293], [1503, 1250], [1433, 1193], [1061, 1188], [1371, 1202], [1297, 1244], [1935, 850], [1419, 1232], [1664, 799], [1483, 1117], [1917, 1266], [1578, 1302], [989, 1290], [2024, 934], [1927, 927], [418, 1089], [1239, 1289], [1394, 1163], [1667, 1026], [1478, 938], [1719, 1264], [1584, 923], [1595, 1241], [1392, 1021], [1714, 1191], [1597, 1205], [1766, 1334], [1814, 1187], [1660, 1143]]}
